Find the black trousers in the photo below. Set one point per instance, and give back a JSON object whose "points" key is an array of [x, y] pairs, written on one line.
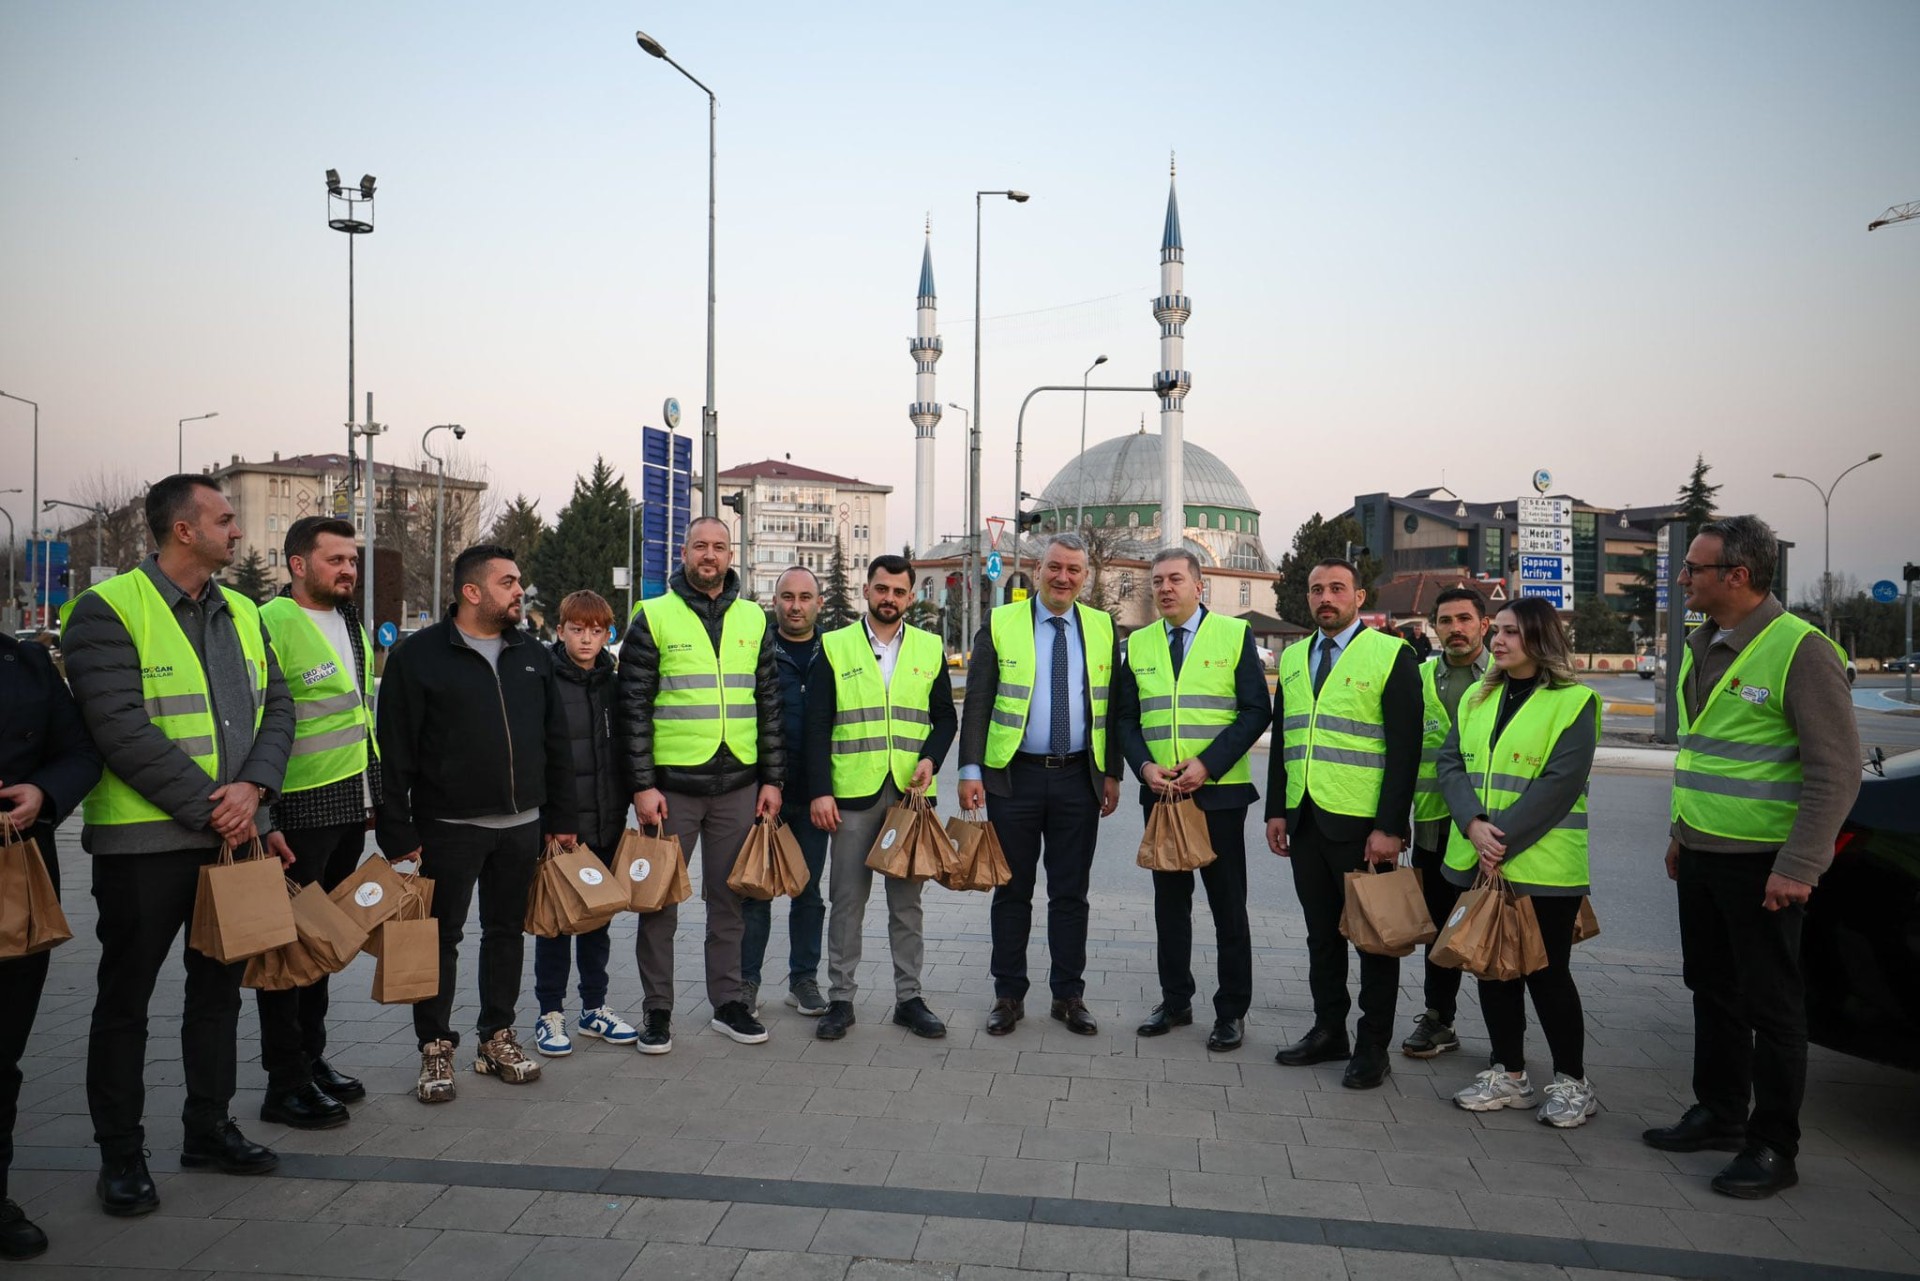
{"points": [[293, 1023], [1742, 964], [1226, 882], [145, 901], [1053, 817], [22, 979], [1319, 868], [1555, 997], [499, 862], [1442, 984]]}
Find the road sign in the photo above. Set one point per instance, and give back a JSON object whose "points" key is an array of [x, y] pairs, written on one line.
{"points": [[994, 525], [387, 635], [993, 567], [1545, 511], [666, 502], [1019, 593], [1544, 538], [1559, 595], [1548, 568], [1660, 574], [1886, 591]]}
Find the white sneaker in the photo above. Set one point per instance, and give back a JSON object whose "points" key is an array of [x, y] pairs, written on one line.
{"points": [[608, 1026], [1493, 1089], [550, 1035], [1569, 1102]]}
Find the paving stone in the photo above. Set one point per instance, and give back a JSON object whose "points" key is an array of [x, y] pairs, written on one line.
{"points": [[1042, 1144], [1068, 1249], [1346, 1165], [298, 1200], [1260, 1260], [462, 1207], [1433, 1207], [572, 1261], [1199, 1190], [1017, 1176], [1121, 1183], [262, 1247], [686, 1222], [572, 1214], [978, 1139], [756, 1160], [1181, 1257], [973, 1272], [891, 1134], [790, 1265], [471, 1256], [1164, 1152], [897, 1270], [661, 1259], [845, 1165], [867, 1232], [161, 1241], [1506, 1270], [978, 1241], [1190, 1123], [942, 1171], [767, 1227], [1228, 1156], [1315, 1198], [1387, 1265]]}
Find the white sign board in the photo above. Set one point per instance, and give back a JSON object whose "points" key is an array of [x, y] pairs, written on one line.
{"points": [[1559, 595], [1547, 568], [1545, 538], [1545, 511]]}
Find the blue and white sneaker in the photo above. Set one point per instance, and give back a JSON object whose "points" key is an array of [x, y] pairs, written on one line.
{"points": [[608, 1026], [550, 1035]]}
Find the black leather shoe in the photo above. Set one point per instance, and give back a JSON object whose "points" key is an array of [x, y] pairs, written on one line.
{"points": [[1227, 1034], [125, 1188], [20, 1237], [1074, 1013], [338, 1085], [227, 1150], [1005, 1013], [307, 1108], [834, 1023], [1757, 1173], [1367, 1068], [918, 1019], [1697, 1130], [1164, 1019], [1322, 1045]]}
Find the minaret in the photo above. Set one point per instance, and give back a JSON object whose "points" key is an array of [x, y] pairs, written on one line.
{"points": [[925, 410], [1171, 309]]}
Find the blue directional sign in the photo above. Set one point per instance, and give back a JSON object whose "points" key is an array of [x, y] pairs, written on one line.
{"points": [[1660, 581], [666, 503], [993, 567], [387, 634], [1538, 567], [1559, 595], [1886, 591]]}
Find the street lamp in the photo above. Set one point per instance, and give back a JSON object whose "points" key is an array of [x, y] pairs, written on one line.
{"points": [[350, 211], [1019, 436], [709, 416], [13, 592], [99, 524], [34, 502], [973, 432], [439, 501], [180, 445], [1080, 516], [1826, 552]]}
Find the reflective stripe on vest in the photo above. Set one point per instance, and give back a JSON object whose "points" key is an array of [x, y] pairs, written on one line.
{"points": [[871, 735], [333, 725], [1180, 718], [705, 698], [1738, 773], [1338, 743], [1501, 771], [174, 684], [1013, 699]]}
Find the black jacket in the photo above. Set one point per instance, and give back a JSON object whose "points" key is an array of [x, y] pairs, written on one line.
{"points": [[43, 741], [458, 740], [823, 702], [587, 697], [1403, 716], [793, 707], [1251, 716], [639, 683]]}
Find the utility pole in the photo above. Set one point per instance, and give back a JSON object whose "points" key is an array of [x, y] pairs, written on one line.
{"points": [[1911, 573]]}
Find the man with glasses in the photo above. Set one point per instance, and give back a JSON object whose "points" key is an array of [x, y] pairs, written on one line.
{"points": [[1769, 765]]}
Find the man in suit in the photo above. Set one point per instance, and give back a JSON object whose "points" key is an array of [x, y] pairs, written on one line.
{"points": [[1190, 702], [1033, 750], [1345, 751]]}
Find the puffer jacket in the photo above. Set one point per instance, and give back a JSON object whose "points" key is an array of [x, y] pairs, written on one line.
{"points": [[639, 682], [586, 696]]}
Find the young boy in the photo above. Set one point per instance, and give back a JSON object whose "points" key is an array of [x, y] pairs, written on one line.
{"points": [[585, 669]]}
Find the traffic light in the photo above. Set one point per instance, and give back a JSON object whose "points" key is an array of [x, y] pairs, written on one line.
{"points": [[736, 502], [1025, 522], [1910, 574]]}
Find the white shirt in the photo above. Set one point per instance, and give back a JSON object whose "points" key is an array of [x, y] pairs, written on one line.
{"points": [[884, 655]]}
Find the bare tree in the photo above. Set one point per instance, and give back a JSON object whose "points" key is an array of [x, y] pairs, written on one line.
{"points": [[123, 535], [408, 525]]}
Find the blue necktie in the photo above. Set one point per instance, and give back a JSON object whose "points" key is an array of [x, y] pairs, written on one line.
{"points": [[1060, 728], [1179, 639], [1326, 664]]}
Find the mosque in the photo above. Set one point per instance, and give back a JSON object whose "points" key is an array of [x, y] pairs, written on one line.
{"points": [[1116, 491]]}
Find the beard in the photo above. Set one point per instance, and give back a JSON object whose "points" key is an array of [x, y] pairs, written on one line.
{"points": [[886, 611], [701, 580], [323, 592]]}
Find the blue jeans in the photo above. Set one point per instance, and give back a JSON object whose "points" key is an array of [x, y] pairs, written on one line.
{"points": [[805, 917], [552, 959]]}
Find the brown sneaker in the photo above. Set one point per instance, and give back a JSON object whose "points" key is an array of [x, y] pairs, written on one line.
{"points": [[500, 1055], [436, 1073]]}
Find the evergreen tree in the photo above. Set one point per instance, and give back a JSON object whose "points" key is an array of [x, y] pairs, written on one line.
{"points": [[588, 539], [251, 579], [1696, 499], [1598, 628], [1315, 541], [1642, 593], [519, 526], [838, 604]]}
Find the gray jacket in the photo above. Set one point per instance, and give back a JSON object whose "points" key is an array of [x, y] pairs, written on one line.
{"points": [[103, 666]]}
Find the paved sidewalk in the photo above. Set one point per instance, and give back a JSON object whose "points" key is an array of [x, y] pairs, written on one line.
{"points": [[1042, 1154]]}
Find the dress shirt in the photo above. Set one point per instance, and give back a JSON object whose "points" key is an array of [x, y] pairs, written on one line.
{"points": [[884, 655]]}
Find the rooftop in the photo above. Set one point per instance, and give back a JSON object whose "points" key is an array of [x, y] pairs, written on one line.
{"points": [[781, 469]]}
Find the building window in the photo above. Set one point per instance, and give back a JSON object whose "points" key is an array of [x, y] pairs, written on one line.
{"points": [[1586, 554], [1133, 520], [273, 524], [1206, 589], [1246, 593], [273, 557], [1111, 516], [1202, 522]]}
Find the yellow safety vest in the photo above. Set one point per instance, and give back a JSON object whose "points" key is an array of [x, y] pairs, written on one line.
{"points": [[705, 698], [1013, 699], [879, 727], [1428, 803], [1339, 740], [1502, 771], [333, 725], [1180, 717]]}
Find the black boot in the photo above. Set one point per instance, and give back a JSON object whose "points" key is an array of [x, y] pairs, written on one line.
{"points": [[918, 1019], [337, 1084], [1367, 1068], [1322, 1045], [225, 1149], [1697, 1130], [125, 1188], [20, 1237], [306, 1108]]}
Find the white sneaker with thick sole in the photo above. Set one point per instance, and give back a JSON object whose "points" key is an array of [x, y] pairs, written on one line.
{"points": [[1493, 1089], [1569, 1102]]}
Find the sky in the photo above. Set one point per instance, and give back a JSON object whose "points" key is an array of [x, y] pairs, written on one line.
{"points": [[1424, 243]]}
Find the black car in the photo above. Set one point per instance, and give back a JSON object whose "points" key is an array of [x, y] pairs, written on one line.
{"points": [[1861, 946], [1905, 663]]}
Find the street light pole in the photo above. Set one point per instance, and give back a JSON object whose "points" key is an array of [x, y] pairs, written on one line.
{"points": [[99, 524], [350, 221], [34, 503], [1080, 515], [1826, 555], [973, 435], [1019, 434], [439, 504], [709, 415], [180, 441]]}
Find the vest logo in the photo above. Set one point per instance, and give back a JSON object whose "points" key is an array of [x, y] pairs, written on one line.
{"points": [[158, 672], [591, 876], [314, 675], [1435, 724], [369, 895], [1363, 686], [678, 647], [1756, 694], [856, 670]]}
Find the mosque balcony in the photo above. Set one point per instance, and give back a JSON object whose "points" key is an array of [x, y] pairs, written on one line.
{"points": [[924, 413], [926, 350], [1173, 384], [1172, 309]]}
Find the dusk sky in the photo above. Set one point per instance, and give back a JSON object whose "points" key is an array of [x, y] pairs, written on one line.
{"points": [[1424, 242]]}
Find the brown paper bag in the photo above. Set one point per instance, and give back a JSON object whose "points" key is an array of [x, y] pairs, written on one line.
{"points": [[30, 916], [327, 940], [652, 869], [1469, 938], [241, 908], [1586, 925], [408, 945], [1385, 912], [1176, 838], [412, 900], [789, 863], [1522, 950], [890, 854], [369, 895], [980, 862], [753, 874], [576, 890]]}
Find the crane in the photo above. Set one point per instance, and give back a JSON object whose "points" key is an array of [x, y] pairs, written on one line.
{"points": [[1899, 213]]}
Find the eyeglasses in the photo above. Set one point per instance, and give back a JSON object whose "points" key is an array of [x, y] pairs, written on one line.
{"points": [[1688, 568]]}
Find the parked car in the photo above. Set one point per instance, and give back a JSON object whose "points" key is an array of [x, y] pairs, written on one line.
{"points": [[1649, 666], [1905, 663], [1861, 943]]}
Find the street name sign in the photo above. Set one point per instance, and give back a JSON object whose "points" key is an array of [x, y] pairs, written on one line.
{"points": [[1538, 568]]}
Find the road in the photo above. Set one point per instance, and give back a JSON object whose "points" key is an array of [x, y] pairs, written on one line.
{"points": [[1884, 722]]}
